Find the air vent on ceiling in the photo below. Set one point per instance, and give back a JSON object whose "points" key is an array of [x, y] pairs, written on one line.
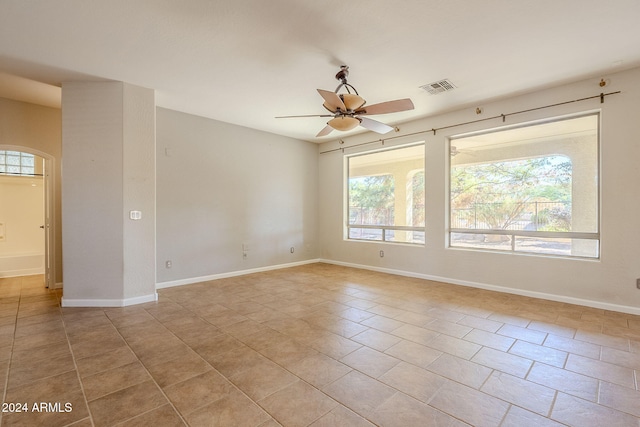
{"points": [[438, 87]]}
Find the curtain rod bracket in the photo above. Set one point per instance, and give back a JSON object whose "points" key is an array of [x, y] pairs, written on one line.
{"points": [[601, 97], [504, 118], [434, 131]]}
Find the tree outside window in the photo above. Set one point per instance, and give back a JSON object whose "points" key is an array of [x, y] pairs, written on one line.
{"points": [[386, 195], [528, 189]]}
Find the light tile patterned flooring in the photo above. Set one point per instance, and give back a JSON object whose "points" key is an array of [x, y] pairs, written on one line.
{"points": [[318, 345]]}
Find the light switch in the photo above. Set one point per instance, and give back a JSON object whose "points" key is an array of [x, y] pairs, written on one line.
{"points": [[135, 215]]}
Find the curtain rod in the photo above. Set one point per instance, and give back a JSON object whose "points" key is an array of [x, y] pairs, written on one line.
{"points": [[503, 116]]}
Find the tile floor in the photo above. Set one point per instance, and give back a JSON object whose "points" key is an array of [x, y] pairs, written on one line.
{"points": [[317, 345]]}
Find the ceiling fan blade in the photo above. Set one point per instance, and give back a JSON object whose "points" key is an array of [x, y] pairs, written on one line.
{"points": [[332, 101], [387, 107], [308, 115], [374, 125], [325, 131]]}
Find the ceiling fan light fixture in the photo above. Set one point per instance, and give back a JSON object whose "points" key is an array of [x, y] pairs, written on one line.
{"points": [[348, 109], [343, 123], [352, 101]]}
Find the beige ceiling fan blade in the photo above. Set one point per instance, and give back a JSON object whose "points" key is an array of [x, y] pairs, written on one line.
{"points": [[374, 125], [387, 107], [332, 101], [325, 131]]}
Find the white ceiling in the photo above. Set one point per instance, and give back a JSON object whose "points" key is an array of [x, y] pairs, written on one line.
{"points": [[247, 61]]}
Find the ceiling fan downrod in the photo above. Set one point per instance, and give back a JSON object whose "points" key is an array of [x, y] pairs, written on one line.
{"points": [[342, 77]]}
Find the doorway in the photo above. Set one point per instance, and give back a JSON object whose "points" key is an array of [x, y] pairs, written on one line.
{"points": [[26, 214]]}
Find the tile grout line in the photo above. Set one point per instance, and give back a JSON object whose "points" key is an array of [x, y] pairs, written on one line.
{"points": [[529, 323], [282, 367], [13, 341], [206, 361], [75, 365], [148, 373], [373, 378]]}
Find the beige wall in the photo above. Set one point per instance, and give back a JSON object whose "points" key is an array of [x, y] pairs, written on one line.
{"points": [[220, 186], [37, 130], [109, 171], [609, 282]]}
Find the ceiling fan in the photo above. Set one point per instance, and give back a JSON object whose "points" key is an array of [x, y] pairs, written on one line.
{"points": [[347, 109]]}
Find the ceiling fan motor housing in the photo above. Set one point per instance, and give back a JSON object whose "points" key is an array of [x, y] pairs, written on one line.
{"points": [[343, 73]]}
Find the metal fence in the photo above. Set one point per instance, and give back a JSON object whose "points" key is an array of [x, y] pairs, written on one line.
{"points": [[371, 216], [528, 216], [377, 224]]}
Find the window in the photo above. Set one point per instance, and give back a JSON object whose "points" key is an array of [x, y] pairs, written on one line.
{"points": [[16, 163], [386, 195], [528, 189]]}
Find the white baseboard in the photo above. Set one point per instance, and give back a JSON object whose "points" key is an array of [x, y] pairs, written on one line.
{"points": [[193, 280], [522, 292], [66, 302]]}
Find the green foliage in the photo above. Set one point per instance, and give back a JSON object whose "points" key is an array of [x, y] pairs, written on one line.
{"points": [[500, 192], [374, 192], [372, 199], [417, 201]]}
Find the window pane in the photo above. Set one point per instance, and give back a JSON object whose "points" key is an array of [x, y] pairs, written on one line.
{"points": [[13, 160], [365, 233], [481, 241], [405, 236], [17, 163], [536, 178], [371, 200], [558, 246], [386, 189], [27, 160]]}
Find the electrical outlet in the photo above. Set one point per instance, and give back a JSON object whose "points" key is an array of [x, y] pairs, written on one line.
{"points": [[292, 250], [381, 254], [168, 264], [638, 283]]}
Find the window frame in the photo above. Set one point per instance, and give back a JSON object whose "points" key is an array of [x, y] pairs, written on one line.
{"points": [[514, 234], [385, 229], [21, 167]]}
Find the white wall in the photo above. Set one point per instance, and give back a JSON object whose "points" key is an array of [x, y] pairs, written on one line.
{"points": [[92, 191], [609, 282], [139, 191], [221, 185]]}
